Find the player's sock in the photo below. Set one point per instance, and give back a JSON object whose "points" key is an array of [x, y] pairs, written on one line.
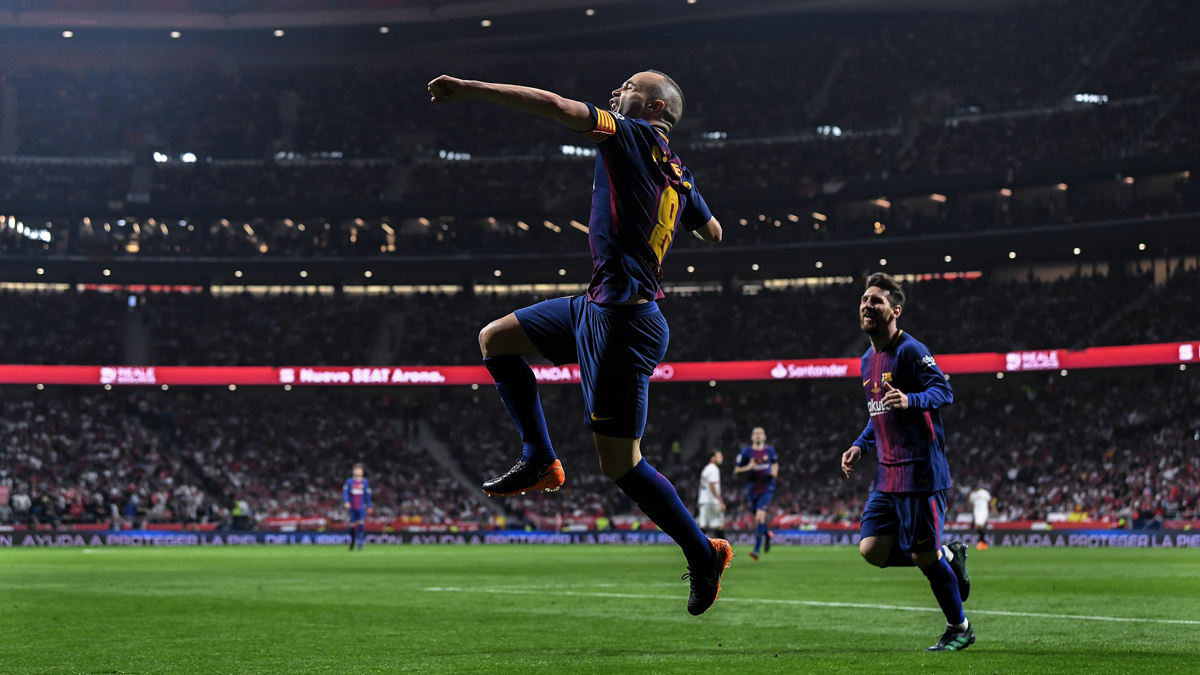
{"points": [[351, 533], [519, 391], [760, 533], [719, 533], [361, 529], [945, 589], [656, 497]]}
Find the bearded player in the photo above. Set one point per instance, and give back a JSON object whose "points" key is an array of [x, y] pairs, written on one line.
{"points": [[642, 196], [903, 519]]}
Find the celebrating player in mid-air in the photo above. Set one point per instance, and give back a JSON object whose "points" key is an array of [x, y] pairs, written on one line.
{"points": [[903, 519], [759, 461], [356, 497], [642, 195]]}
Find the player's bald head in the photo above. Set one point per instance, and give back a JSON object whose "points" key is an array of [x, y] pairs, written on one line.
{"points": [[662, 87]]}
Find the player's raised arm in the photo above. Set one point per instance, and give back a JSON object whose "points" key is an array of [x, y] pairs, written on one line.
{"points": [[573, 114]]}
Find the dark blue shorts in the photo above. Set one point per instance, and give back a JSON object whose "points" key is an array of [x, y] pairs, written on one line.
{"points": [[617, 348], [357, 515], [759, 502], [915, 518]]}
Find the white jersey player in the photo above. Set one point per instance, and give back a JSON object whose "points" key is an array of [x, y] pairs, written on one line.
{"points": [[981, 503], [712, 505]]}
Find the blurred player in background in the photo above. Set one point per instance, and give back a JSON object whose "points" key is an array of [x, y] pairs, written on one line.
{"points": [[981, 504], [642, 195], [903, 519], [356, 497], [712, 506], [759, 462]]}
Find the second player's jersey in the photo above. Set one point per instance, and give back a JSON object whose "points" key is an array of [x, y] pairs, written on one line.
{"points": [[711, 474], [641, 195], [759, 481], [358, 492], [910, 443]]}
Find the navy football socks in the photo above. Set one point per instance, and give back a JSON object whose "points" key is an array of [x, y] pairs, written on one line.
{"points": [[361, 529], [518, 389], [759, 535], [945, 589], [656, 497]]}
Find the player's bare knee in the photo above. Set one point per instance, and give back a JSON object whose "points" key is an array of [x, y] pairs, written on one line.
{"points": [[485, 338]]}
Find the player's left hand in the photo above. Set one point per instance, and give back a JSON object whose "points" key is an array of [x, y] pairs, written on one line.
{"points": [[446, 89], [894, 399]]}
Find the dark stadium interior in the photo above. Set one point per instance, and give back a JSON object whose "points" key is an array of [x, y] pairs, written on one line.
{"points": [[308, 196]]}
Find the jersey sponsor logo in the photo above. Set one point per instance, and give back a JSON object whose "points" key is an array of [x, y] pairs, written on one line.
{"points": [[876, 408]]}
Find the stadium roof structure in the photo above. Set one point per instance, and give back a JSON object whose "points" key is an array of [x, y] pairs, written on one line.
{"points": [[276, 14]]}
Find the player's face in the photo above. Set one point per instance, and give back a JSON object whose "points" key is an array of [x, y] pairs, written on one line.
{"points": [[875, 311], [630, 98], [758, 436], [717, 458], [358, 472]]}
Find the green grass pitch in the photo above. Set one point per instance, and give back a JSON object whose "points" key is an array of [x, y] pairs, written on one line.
{"points": [[581, 609]]}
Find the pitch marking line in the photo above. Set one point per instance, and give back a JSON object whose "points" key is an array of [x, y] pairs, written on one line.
{"points": [[814, 603]]}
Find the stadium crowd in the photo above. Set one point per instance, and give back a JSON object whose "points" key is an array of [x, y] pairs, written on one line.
{"points": [[145, 456], [1111, 447], [91, 327], [885, 103]]}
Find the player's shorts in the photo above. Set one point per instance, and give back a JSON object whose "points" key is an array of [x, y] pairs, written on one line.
{"points": [[981, 518], [357, 515], [711, 515], [914, 518], [617, 348], [759, 501]]}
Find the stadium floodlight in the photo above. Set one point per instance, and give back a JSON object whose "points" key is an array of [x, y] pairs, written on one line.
{"points": [[41, 386], [883, 262], [107, 273], [1061, 186], [523, 225], [1077, 250], [496, 273], [160, 157], [303, 274], [1012, 255], [1141, 247], [165, 387], [1062, 373], [820, 264], [938, 198], [367, 274], [238, 274], [486, 23], [820, 216], [188, 158], [41, 271], [691, 269], [175, 35], [948, 258], [1005, 192], [278, 33], [754, 267], [68, 34], [793, 217], [562, 272], [384, 29], [590, 12]]}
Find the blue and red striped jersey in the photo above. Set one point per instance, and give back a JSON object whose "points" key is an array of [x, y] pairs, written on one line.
{"points": [[641, 195], [357, 492], [759, 481], [910, 444]]}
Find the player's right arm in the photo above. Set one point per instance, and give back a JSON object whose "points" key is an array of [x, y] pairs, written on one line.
{"points": [[573, 114], [851, 456], [346, 494], [743, 463]]}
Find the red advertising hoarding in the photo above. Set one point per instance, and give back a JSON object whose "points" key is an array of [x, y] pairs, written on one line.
{"points": [[720, 371]]}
